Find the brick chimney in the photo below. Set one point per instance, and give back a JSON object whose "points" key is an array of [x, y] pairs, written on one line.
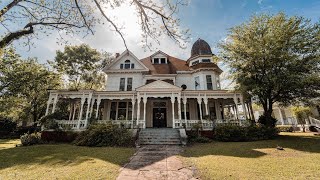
{"points": [[117, 55]]}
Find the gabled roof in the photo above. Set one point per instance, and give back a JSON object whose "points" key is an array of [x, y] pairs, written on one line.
{"points": [[159, 86], [174, 65], [126, 52], [159, 52]]}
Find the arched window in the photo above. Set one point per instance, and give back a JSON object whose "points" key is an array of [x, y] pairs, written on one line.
{"points": [[127, 64]]}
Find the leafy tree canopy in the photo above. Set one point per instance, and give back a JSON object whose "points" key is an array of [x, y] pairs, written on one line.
{"points": [[275, 58], [23, 86], [82, 65]]}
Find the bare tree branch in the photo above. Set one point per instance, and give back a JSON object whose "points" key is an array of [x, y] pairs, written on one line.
{"points": [[111, 22], [84, 19], [4, 10]]}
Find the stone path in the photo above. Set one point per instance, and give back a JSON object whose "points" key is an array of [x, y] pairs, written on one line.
{"points": [[156, 162]]}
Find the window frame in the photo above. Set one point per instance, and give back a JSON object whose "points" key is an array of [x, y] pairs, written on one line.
{"points": [[206, 60], [128, 110], [127, 64], [197, 85], [127, 85], [195, 62], [209, 84], [122, 83]]}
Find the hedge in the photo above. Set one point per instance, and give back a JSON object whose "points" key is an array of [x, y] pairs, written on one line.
{"points": [[58, 136], [238, 133]]}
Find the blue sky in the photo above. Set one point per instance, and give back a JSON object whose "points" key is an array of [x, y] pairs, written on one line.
{"points": [[207, 19]]}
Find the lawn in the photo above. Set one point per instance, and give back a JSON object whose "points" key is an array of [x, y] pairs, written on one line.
{"points": [[258, 160], [60, 161]]}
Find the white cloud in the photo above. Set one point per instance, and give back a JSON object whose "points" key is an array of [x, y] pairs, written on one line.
{"points": [[260, 1], [106, 39]]}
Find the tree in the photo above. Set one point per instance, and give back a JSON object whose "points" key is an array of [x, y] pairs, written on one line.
{"points": [[82, 65], [30, 18], [275, 58], [26, 82], [302, 114]]}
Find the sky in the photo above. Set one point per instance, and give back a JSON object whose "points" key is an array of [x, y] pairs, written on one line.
{"points": [[207, 19]]}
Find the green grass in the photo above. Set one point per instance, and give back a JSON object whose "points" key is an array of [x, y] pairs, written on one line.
{"points": [[60, 161], [258, 160]]}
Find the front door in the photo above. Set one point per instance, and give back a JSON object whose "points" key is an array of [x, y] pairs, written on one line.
{"points": [[159, 117]]}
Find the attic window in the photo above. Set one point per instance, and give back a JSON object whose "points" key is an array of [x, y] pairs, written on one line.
{"points": [[206, 60], [195, 62], [160, 61], [127, 65]]}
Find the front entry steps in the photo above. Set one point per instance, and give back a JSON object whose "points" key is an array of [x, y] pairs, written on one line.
{"points": [[159, 136]]}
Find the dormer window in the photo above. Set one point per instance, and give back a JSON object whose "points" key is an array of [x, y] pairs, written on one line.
{"points": [[206, 60], [159, 61], [195, 62], [127, 65]]}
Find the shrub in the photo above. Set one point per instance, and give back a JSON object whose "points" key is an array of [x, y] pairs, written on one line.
{"points": [[285, 128], [27, 129], [49, 121], [105, 135], [30, 139], [267, 122], [7, 125], [58, 136], [237, 133]]}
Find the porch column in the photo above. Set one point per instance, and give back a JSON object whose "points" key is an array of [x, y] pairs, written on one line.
{"points": [[133, 102], [234, 112], [48, 104], [88, 109], [236, 105], [200, 108], [98, 104], [243, 107], [91, 108], [205, 101], [179, 108], [281, 117], [222, 109], [172, 104], [218, 110], [55, 100], [83, 100], [138, 110], [184, 100], [74, 110], [145, 99]]}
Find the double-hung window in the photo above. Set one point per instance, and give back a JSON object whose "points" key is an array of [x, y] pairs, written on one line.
{"points": [[209, 82], [122, 84], [129, 84], [121, 111], [125, 84], [197, 82]]}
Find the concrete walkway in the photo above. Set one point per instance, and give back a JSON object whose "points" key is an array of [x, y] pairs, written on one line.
{"points": [[156, 162]]}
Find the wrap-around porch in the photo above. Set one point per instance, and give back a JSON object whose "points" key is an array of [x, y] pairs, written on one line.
{"points": [[146, 109]]}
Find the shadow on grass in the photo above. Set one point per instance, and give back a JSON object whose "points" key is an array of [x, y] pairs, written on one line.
{"points": [[309, 144], [69, 155], [61, 154]]}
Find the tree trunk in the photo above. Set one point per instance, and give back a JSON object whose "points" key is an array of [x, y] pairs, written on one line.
{"points": [[267, 120]]}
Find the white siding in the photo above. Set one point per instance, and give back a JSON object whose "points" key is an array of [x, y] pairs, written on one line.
{"points": [[124, 58], [113, 80]]}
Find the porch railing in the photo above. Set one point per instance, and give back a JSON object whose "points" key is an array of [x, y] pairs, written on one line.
{"points": [[314, 121], [71, 124], [205, 125]]}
